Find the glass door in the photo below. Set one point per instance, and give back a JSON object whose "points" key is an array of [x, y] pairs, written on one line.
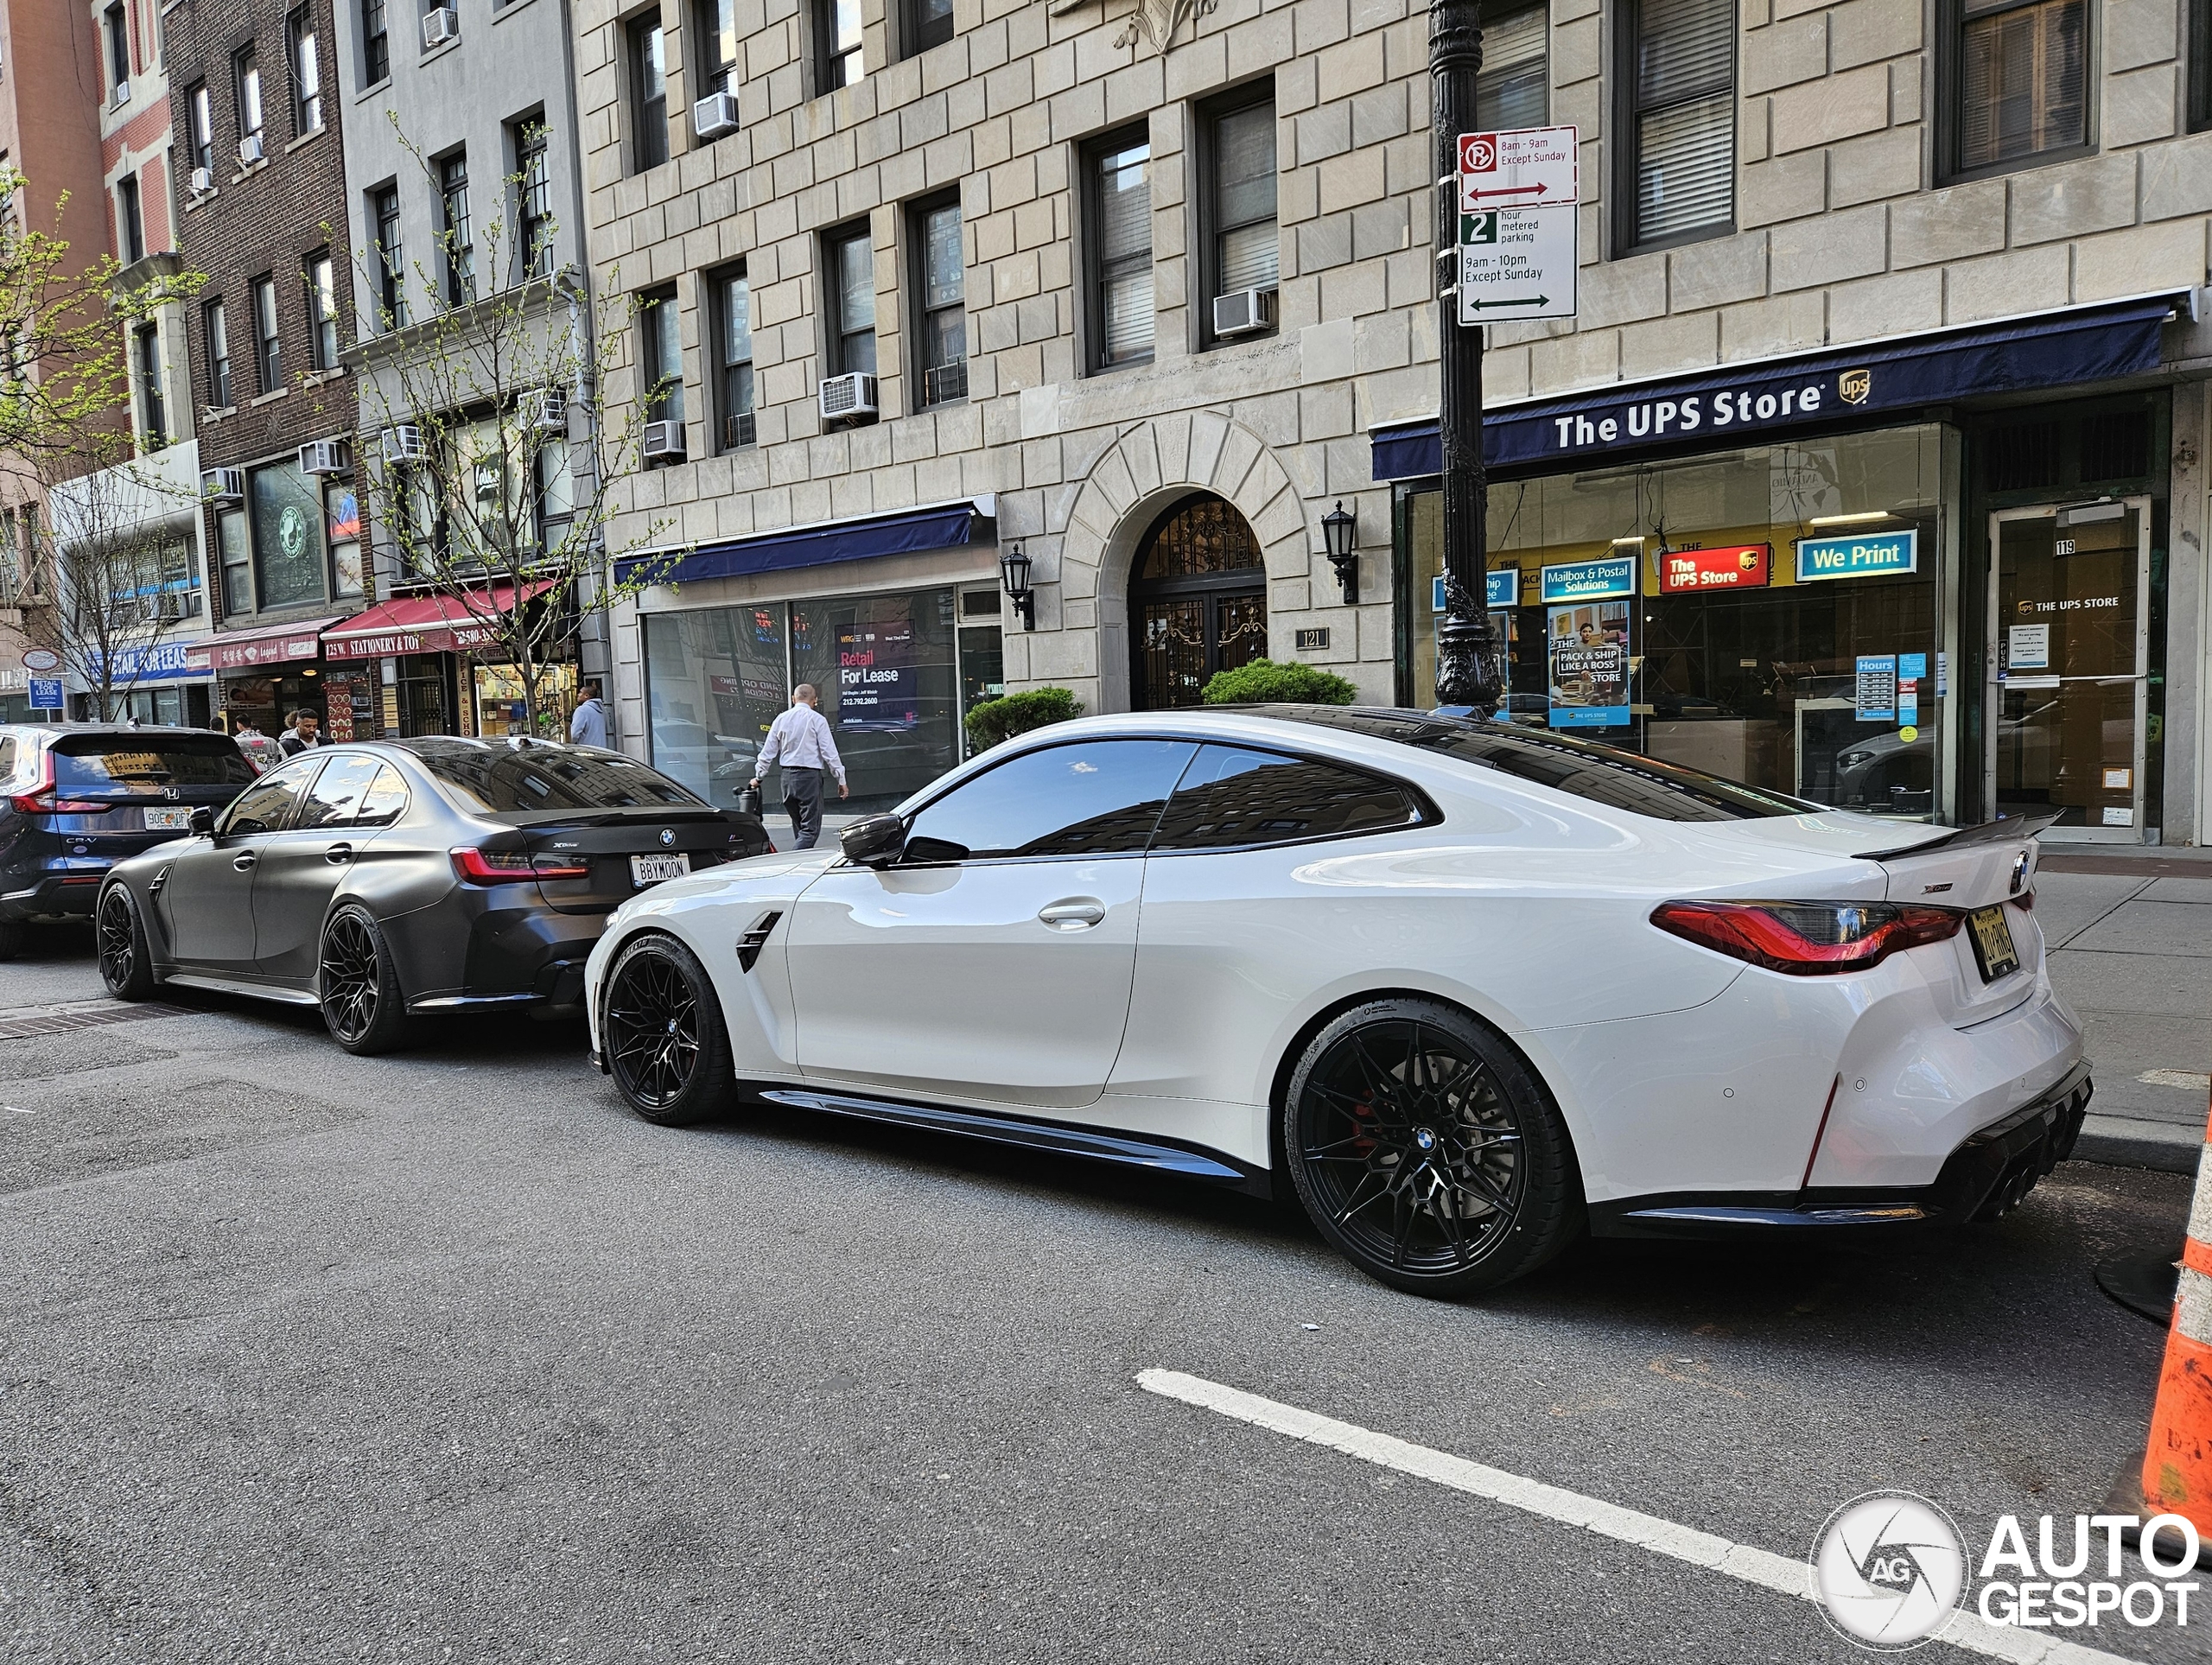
{"points": [[2070, 656]]}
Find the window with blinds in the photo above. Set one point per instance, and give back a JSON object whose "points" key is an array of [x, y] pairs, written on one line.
{"points": [[1680, 85], [851, 266], [1514, 89], [1243, 180], [1121, 250], [2022, 81]]}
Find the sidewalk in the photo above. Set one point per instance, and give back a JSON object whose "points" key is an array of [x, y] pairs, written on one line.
{"points": [[2129, 936]]}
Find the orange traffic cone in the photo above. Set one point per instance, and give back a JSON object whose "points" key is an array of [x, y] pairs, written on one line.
{"points": [[2177, 1475]]}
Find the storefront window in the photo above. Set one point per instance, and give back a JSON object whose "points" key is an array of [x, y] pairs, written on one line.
{"points": [[1771, 614], [286, 537], [342, 528], [500, 708], [884, 666]]}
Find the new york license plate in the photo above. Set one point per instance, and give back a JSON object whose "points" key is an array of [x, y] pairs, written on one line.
{"points": [[651, 869], [1992, 943], [168, 820]]}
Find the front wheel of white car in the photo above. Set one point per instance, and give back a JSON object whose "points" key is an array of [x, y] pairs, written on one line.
{"points": [[662, 1031], [1422, 1146]]}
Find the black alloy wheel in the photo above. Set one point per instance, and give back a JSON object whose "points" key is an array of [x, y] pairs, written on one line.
{"points": [[362, 1005], [1424, 1149], [661, 1033], [125, 966]]}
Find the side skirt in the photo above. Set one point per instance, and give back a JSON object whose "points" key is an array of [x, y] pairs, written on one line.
{"points": [[1090, 1144], [260, 991]]}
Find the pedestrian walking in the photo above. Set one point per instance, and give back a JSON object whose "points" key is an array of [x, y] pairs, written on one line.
{"points": [[304, 730], [800, 740], [589, 726]]}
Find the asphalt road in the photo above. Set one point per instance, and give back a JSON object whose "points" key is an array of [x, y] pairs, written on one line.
{"points": [[447, 1355]]}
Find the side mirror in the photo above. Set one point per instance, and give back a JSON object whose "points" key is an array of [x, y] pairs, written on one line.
{"points": [[203, 819], [874, 841]]}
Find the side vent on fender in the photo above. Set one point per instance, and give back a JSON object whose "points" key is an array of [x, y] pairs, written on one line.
{"points": [[750, 944]]}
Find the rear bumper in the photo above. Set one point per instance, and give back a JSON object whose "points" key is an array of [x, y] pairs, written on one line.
{"points": [[1987, 1174], [66, 892], [519, 957]]}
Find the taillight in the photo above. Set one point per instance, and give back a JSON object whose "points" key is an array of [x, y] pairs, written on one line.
{"points": [[478, 867], [1808, 939], [39, 799], [559, 867]]}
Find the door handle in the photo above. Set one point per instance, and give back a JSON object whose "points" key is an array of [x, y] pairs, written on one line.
{"points": [[1075, 914], [244, 863], [339, 854]]}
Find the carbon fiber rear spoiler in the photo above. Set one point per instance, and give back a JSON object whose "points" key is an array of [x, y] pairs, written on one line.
{"points": [[2001, 831]]}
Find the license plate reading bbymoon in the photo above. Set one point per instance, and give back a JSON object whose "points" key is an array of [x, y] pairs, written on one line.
{"points": [[651, 869], [168, 820], [1992, 943]]}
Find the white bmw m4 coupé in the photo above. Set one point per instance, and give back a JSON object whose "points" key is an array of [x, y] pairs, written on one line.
{"points": [[1467, 989]]}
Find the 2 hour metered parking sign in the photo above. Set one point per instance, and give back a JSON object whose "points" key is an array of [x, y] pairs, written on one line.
{"points": [[1516, 263]]}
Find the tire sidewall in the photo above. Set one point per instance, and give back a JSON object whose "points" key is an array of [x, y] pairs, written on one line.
{"points": [[140, 985], [391, 1028], [709, 1087]]}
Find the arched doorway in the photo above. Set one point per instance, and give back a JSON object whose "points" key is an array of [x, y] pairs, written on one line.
{"points": [[1198, 603]]}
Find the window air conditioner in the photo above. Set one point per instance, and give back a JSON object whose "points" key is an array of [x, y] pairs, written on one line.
{"points": [[404, 444], [664, 439], [715, 115], [738, 429], [250, 150], [439, 27], [847, 396], [169, 607], [1246, 312], [223, 484], [203, 181], [546, 411], [330, 456]]}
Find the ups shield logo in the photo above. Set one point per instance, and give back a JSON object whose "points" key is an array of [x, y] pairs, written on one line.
{"points": [[1855, 386]]}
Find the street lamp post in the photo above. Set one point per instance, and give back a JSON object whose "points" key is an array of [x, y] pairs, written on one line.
{"points": [[1466, 658]]}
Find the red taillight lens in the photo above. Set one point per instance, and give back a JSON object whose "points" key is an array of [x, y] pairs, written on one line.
{"points": [[478, 867], [559, 867], [1808, 939], [38, 803]]}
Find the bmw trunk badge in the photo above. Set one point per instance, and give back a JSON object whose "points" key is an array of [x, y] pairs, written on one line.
{"points": [[668, 834]]}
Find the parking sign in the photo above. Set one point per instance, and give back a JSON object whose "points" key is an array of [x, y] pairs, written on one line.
{"points": [[1517, 255]]}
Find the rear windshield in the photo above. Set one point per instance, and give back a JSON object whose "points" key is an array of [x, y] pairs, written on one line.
{"points": [[497, 779], [92, 762], [1603, 774]]}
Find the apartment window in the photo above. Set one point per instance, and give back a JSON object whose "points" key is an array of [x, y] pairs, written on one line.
{"points": [[236, 553], [533, 200], [924, 24], [376, 43], [305, 58], [268, 351], [852, 285], [2021, 82], [130, 223], [1241, 245], [247, 69], [1515, 87], [661, 357], [940, 295], [119, 55], [154, 430], [200, 127], [391, 259], [1118, 235], [649, 93], [322, 310], [1678, 96], [216, 331], [2200, 64], [713, 44], [837, 44], [453, 208], [733, 356]]}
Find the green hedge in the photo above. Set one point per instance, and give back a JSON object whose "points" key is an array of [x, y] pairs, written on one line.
{"points": [[1264, 681], [990, 721]]}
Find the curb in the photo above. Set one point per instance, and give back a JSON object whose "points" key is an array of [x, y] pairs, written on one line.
{"points": [[2125, 1142]]}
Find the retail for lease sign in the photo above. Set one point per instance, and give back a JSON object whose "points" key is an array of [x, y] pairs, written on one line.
{"points": [[1746, 566]]}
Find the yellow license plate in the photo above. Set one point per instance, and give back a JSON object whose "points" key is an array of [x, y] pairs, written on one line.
{"points": [[1993, 943]]}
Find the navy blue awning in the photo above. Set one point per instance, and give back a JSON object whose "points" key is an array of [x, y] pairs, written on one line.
{"points": [[939, 526], [1716, 407]]}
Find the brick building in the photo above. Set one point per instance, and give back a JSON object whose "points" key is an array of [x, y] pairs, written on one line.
{"points": [[260, 181], [1147, 289]]}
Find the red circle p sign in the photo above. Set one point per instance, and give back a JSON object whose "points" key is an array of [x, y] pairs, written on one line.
{"points": [[1477, 153]]}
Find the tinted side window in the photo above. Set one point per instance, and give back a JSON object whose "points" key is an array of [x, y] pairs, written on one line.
{"points": [[1230, 798], [267, 805], [1100, 798], [384, 802], [336, 793]]}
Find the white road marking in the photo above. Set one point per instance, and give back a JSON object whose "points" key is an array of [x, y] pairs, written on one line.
{"points": [[1763, 1568], [18, 1111], [2195, 1083]]}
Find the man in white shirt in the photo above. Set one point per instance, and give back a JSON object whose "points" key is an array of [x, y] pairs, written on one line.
{"points": [[800, 740], [588, 726]]}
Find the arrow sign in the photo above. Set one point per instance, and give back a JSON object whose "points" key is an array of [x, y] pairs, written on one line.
{"points": [[1537, 189], [1520, 260], [1541, 164], [1526, 300]]}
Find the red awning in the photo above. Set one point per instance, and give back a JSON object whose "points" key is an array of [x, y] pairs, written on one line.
{"points": [[425, 624], [249, 650]]}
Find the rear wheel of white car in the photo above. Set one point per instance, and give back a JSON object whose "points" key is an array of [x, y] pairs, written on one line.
{"points": [[662, 1030], [1422, 1146]]}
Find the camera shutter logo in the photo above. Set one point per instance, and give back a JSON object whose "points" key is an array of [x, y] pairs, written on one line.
{"points": [[1855, 386], [1890, 1568]]}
